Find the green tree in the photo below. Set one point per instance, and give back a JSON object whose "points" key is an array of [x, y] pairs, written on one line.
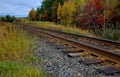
{"points": [[0, 18], [61, 2], [38, 14], [49, 7], [8, 18]]}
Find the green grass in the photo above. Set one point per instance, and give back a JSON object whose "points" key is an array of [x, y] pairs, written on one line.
{"points": [[16, 69]]}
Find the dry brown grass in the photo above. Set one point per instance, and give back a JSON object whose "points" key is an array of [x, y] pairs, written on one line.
{"points": [[13, 43], [69, 29]]}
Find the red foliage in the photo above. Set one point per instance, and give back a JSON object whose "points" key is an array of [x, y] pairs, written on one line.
{"points": [[88, 7], [83, 19], [97, 4], [43, 17]]}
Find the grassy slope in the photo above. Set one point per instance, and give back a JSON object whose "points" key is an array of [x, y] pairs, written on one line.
{"points": [[16, 54]]}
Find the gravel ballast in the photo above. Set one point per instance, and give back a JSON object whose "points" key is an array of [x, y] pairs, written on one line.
{"points": [[59, 65]]}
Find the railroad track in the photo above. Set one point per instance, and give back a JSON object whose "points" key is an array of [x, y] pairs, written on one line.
{"points": [[102, 49]]}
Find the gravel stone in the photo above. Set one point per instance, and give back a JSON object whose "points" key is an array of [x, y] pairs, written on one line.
{"points": [[59, 65]]}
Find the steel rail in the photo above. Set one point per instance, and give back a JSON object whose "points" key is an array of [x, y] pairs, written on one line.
{"points": [[107, 54], [82, 36]]}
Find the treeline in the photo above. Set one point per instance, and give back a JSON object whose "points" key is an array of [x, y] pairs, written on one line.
{"points": [[9, 18], [82, 13], [47, 11]]}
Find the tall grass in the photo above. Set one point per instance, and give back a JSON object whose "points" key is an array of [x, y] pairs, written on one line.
{"points": [[16, 53], [13, 44]]}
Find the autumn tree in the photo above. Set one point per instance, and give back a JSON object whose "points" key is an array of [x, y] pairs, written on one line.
{"points": [[115, 12], [78, 13], [83, 13], [60, 13], [54, 11], [92, 14], [32, 15], [68, 7], [44, 16]]}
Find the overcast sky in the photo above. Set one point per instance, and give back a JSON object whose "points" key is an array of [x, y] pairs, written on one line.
{"points": [[18, 7]]}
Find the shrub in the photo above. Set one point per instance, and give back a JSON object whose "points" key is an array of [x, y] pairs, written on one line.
{"points": [[111, 34]]}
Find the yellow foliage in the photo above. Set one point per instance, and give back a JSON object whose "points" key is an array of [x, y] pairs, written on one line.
{"points": [[69, 8], [60, 11], [113, 3], [80, 4], [65, 12], [32, 14]]}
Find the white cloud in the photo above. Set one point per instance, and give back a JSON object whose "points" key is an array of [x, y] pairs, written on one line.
{"points": [[18, 7]]}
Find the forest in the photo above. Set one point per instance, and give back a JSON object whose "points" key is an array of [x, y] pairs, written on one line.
{"points": [[100, 17], [92, 14]]}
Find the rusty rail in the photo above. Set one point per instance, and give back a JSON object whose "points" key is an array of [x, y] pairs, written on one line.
{"points": [[105, 53]]}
